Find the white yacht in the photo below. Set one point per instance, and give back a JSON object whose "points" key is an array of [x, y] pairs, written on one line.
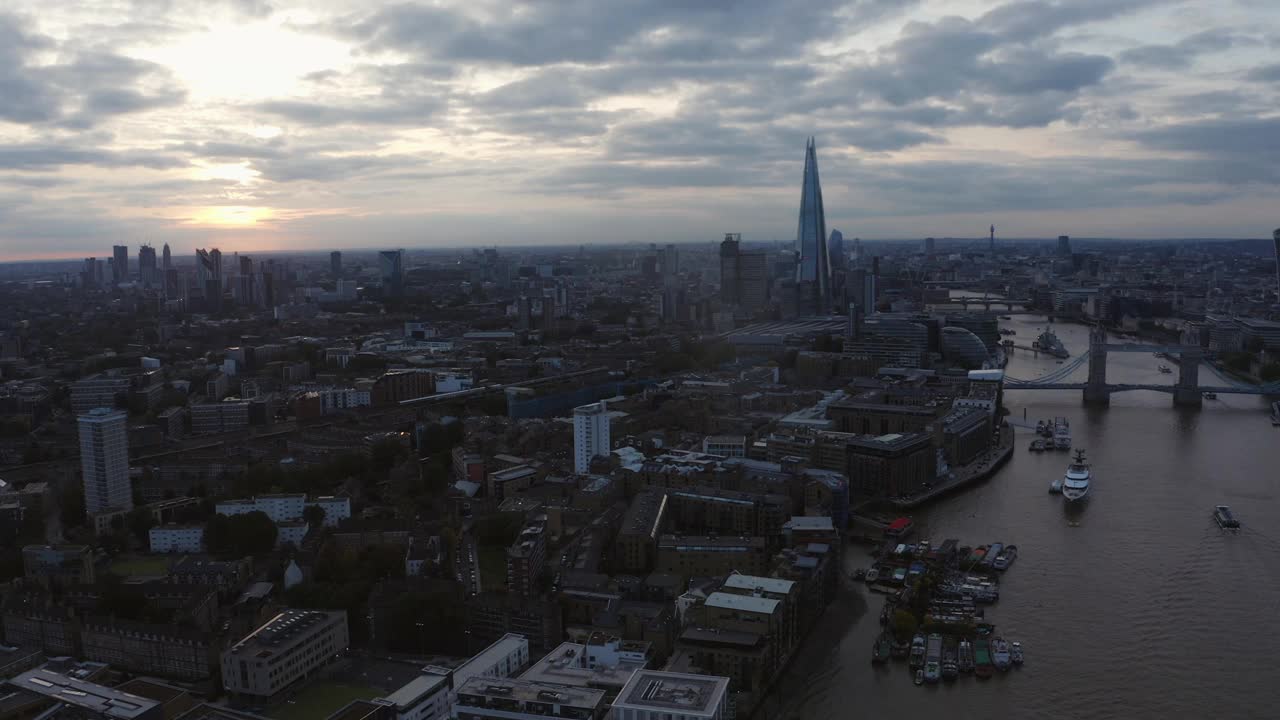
{"points": [[1075, 486]]}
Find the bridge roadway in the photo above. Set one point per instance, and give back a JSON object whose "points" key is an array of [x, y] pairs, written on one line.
{"points": [[1237, 390]]}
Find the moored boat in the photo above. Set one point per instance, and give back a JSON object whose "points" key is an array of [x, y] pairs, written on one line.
{"points": [[882, 649], [1000, 655], [1224, 517], [992, 552], [933, 659], [917, 651], [1075, 486], [899, 650], [1005, 558], [982, 665], [872, 575], [950, 661], [919, 677], [964, 657], [1015, 652]]}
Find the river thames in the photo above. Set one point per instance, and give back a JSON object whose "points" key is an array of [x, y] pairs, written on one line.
{"points": [[1136, 605]]}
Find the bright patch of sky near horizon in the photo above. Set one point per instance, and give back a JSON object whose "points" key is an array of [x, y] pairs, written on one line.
{"points": [[257, 124]]}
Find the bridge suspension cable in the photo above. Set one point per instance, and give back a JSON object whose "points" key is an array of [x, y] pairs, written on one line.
{"points": [[1058, 374]]}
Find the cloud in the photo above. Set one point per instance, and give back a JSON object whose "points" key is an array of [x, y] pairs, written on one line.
{"points": [[1182, 54], [49, 156], [1264, 74], [79, 93]]}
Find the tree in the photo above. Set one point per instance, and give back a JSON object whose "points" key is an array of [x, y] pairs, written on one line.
{"points": [[71, 506], [314, 515], [499, 529], [140, 523], [904, 625], [240, 535], [1270, 372]]}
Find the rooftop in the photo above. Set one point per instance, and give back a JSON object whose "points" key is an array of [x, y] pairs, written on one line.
{"points": [[416, 688], [282, 630], [711, 543], [745, 603], [568, 665], [105, 701], [527, 691], [738, 581], [809, 522], [489, 657], [677, 693]]}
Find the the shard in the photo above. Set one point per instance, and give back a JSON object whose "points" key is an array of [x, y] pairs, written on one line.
{"points": [[813, 275]]}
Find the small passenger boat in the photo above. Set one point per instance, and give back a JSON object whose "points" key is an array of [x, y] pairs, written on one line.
{"points": [[1015, 652], [1225, 518]]}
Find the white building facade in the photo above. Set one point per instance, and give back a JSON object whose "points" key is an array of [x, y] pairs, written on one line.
{"points": [[590, 435], [177, 538], [104, 460]]}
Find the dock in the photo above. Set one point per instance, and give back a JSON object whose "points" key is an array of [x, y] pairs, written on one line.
{"points": [[967, 475]]}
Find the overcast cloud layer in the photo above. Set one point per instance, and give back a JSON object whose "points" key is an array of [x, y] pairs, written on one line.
{"points": [[257, 124]]}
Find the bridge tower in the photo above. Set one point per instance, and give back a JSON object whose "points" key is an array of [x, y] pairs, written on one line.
{"points": [[1096, 391], [1187, 391]]}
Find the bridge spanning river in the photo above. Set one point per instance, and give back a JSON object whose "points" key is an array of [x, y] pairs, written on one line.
{"points": [[1186, 391]]}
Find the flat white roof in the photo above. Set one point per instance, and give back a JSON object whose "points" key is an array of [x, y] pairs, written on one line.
{"points": [[809, 522], [749, 603], [993, 375], [674, 694], [738, 581], [487, 658], [415, 689]]}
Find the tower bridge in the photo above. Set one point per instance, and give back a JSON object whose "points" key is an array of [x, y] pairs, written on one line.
{"points": [[1187, 391]]}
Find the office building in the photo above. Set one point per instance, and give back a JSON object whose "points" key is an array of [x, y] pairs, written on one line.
{"points": [[59, 564], [813, 275], [725, 445], [505, 657], [287, 508], [98, 391], [283, 651], [1275, 239], [656, 695], [104, 460], [176, 538], [391, 270], [637, 542], [230, 415], [590, 435], [729, 249], [1064, 246], [961, 348], [891, 465], [526, 556], [147, 273], [335, 264], [708, 556], [209, 277], [602, 663], [119, 264], [166, 259], [484, 699], [835, 246], [426, 697]]}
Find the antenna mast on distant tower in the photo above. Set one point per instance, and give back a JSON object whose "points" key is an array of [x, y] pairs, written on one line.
{"points": [[992, 245]]}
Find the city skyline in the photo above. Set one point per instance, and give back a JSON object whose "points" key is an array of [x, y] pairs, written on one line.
{"points": [[415, 126]]}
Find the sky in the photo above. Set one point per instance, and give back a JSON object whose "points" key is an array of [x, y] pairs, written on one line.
{"points": [[270, 125]]}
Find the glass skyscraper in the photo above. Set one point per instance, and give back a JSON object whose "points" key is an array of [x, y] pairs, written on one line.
{"points": [[813, 275]]}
